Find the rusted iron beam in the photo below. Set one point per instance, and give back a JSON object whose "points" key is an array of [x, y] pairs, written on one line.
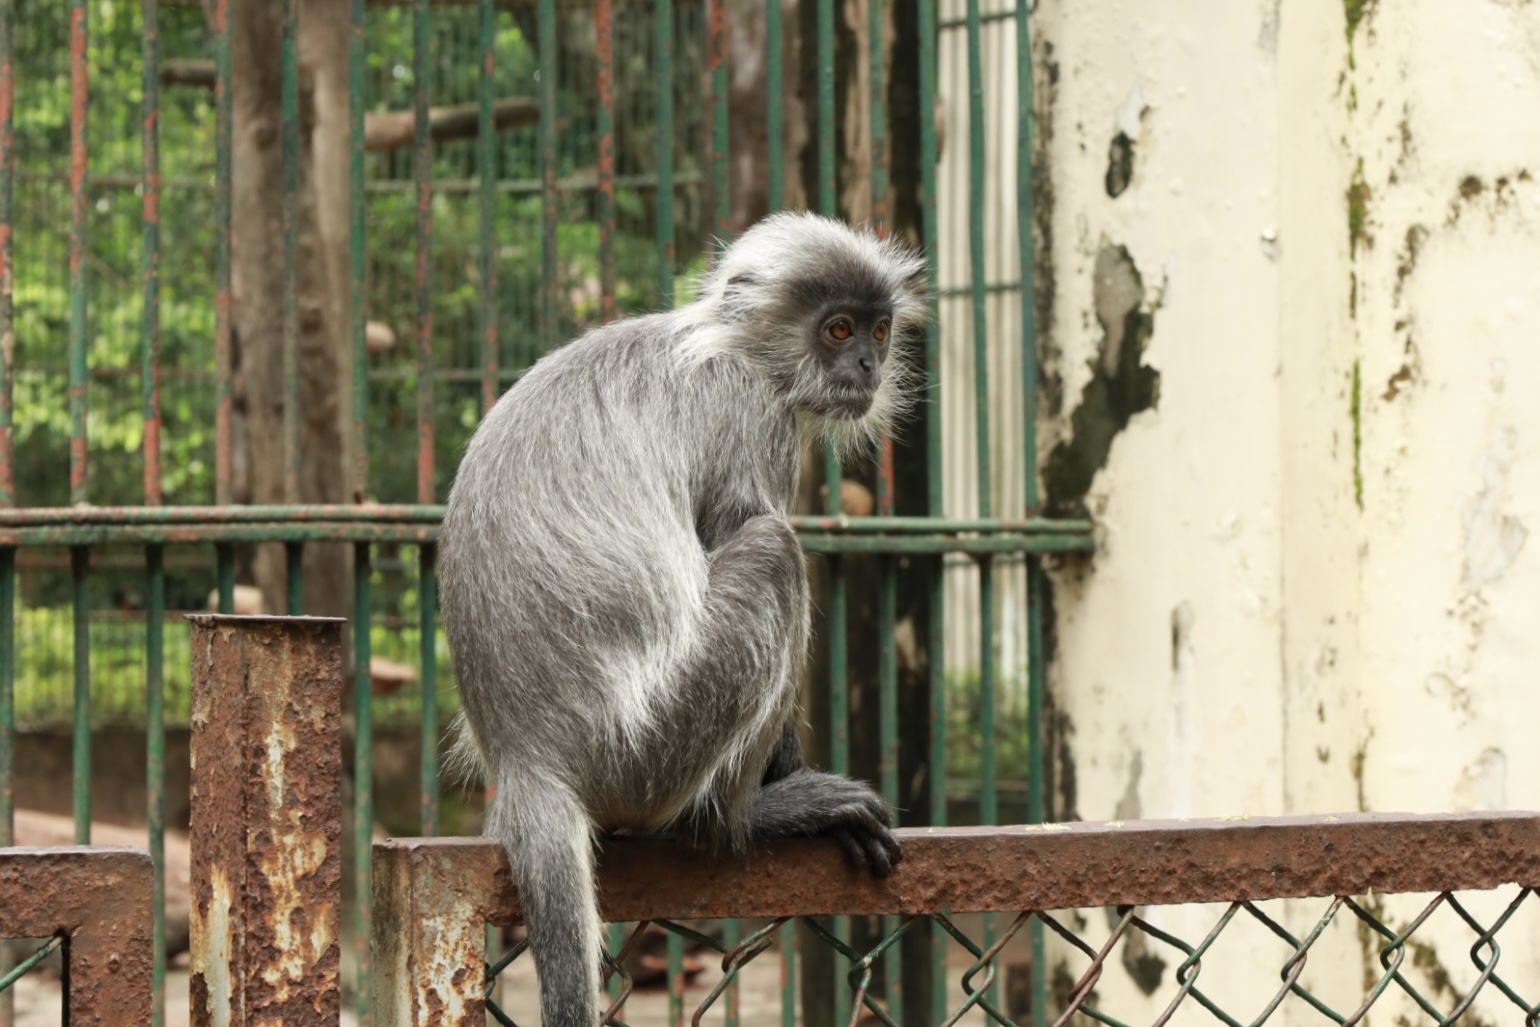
{"points": [[431, 896], [99, 900], [266, 820]]}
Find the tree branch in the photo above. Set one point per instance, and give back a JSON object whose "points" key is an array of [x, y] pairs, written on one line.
{"points": [[389, 130]]}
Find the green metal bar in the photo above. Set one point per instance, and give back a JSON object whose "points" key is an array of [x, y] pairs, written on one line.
{"points": [[7, 256], [721, 229], [550, 291], [289, 146], [828, 187], [428, 513], [788, 954], [224, 571], [224, 325], [422, 174], [363, 774], [989, 795], [732, 933], [427, 600], [80, 564], [7, 695], [976, 254], [15, 974], [358, 268], [155, 758], [989, 805], [663, 98], [1037, 806], [150, 323], [617, 932], [294, 568], [876, 34], [775, 106], [80, 205], [675, 980], [1025, 215], [887, 718], [936, 643], [368, 531], [486, 168], [604, 45]]}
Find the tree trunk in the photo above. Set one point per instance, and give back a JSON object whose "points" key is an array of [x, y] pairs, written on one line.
{"points": [[321, 294]]}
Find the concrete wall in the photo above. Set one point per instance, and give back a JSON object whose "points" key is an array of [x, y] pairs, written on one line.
{"points": [[1314, 589]]}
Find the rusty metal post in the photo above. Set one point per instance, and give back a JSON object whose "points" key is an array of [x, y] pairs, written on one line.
{"points": [[266, 820], [98, 900], [429, 934]]}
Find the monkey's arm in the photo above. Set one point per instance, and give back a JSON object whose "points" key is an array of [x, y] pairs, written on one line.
{"points": [[796, 801]]}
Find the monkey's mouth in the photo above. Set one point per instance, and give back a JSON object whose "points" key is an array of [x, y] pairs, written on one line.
{"points": [[848, 405]]}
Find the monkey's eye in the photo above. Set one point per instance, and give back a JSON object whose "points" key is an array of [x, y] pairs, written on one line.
{"points": [[880, 333], [840, 329]]}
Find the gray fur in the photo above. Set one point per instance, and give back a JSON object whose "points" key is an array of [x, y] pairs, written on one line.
{"points": [[626, 602]]}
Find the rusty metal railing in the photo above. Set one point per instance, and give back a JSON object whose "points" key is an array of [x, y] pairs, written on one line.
{"points": [[432, 898], [95, 903]]}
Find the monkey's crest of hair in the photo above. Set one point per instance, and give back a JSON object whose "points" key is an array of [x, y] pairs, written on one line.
{"points": [[777, 274]]}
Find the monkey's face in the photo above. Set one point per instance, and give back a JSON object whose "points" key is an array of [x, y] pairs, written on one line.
{"points": [[849, 346]]}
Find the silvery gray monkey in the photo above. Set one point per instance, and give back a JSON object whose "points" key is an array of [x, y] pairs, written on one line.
{"points": [[625, 600]]}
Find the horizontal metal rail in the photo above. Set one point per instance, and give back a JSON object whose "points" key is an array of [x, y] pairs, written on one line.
{"points": [[99, 900], [185, 525], [432, 896]]}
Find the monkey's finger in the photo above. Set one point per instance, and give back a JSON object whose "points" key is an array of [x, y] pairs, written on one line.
{"points": [[878, 857], [853, 848]]}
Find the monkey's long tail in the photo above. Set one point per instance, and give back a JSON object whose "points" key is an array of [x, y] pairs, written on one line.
{"points": [[549, 840]]}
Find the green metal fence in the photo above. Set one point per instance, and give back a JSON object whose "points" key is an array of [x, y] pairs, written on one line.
{"points": [[591, 182]]}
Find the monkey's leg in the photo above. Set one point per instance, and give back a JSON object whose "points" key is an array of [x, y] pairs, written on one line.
{"points": [[798, 801]]}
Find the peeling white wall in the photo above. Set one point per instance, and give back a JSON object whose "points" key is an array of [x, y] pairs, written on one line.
{"points": [[1302, 601]]}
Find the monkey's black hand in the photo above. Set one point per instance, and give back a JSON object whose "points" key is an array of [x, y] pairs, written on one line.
{"points": [[811, 803]]}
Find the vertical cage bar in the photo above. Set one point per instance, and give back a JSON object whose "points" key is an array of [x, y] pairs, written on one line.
{"points": [[1025, 219], [224, 574], [486, 164], [294, 568], [150, 330], [775, 105], [7, 258], [427, 601], [604, 45], [940, 941], [675, 980], [550, 285], [155, 760], [155, 577], [978, 281], [363, 776], [422, 174], [357, 267], [828, 196], [7, 692], [663, 98], [732, 933], [720, 221], [80, 203], [788, 953], [876, 34], [289, 145], [224, 326], [80, 565], [616, 932]]}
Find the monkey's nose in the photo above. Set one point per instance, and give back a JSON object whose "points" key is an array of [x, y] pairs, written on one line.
{"points": [[867, 365]]}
